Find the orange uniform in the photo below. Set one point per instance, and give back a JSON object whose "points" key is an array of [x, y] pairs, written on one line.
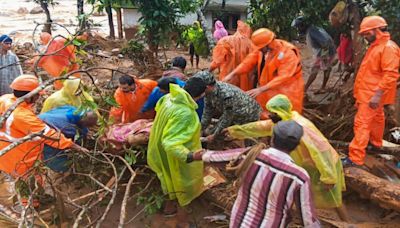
{"points": [[132, 102], [19, 124], [230, 51], [379, 70], [59, 59], [282, 73]]}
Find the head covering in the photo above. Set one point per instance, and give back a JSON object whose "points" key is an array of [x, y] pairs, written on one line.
{"points": [[197, 24], [287, 134], [281, 105], [243, 29], [220, 30], [206, 76], [5, 39]]}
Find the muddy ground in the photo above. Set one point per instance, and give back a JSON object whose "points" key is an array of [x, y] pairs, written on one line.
{"points": [[19, 24]]}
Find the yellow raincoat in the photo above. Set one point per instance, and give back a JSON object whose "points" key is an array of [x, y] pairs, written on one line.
{"points": [[66, 95], [175, 133], [314, 153]]}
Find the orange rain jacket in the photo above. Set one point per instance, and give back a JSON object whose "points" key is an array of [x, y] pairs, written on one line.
{"points": [[59, 59], [282, 73], [19, 124], [379, 70], [230, 51], [131, 103]]}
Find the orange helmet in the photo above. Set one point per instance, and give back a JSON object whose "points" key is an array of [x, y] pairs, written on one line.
{"points": [[25, 82], [262, 37], [372, 22]]}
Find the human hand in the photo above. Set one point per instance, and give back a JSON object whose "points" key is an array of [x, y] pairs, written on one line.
{"points": [[328, 187], [198, 155], [228, 77], [375, 100], [254, 92], [227, 135]]}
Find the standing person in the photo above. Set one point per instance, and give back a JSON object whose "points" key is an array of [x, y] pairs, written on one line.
{"points": [[229, 52], [131, 95], [219, 30], [198, 42], [314, 154], [323, 47], [279, 70], [375, 87], [226, 102], [271, 182], [9, 64], [176, 133], [22, 122], [178, 69]]}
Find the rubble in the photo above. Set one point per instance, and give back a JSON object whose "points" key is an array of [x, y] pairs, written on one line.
{"points": [[36, 10]]}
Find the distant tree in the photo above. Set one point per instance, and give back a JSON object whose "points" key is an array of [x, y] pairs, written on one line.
{"points": [[45, 6]]}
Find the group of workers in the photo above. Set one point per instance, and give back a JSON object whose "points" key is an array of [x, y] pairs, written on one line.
{"points": [[300, 166]]}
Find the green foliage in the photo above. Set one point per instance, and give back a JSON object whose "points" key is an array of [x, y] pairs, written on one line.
{"points": [[152, 203], [160, 17], [278, 15]]}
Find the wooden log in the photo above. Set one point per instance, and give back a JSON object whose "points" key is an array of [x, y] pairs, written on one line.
{"points": [[395, 151], [378, 190]]}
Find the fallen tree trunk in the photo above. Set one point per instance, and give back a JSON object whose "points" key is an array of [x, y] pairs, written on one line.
{"points": [[380, 191], [395, 151]]}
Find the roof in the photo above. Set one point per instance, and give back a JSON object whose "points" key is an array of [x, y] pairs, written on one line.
{"points": [[230, 5]]}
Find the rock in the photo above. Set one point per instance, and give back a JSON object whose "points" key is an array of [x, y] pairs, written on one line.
{"points": [[115, 51], [36, 10], [22, 10], [121, 56]]}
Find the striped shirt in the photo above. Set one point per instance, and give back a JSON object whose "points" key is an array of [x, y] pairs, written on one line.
{"points": [[271, 186]]}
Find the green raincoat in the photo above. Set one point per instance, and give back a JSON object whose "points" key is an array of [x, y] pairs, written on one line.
{"points": [[195, 35], [314, 153], [175, 133]]}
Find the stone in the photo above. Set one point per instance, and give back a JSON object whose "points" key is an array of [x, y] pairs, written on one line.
{"points": [[115, 51], [22, 10], [36, 10]]}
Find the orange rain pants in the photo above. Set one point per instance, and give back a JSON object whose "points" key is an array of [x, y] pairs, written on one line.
{"points": [[369, 125], [230, 51]]}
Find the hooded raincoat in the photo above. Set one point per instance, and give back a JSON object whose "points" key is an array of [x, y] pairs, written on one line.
{"points": [[220, 30], [230, 51], [281, 73], [66, 96], [195, 35], [175, 133], [314, 153]]}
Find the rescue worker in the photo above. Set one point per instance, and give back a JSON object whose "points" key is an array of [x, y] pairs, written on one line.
{"points": [[9, 64], [374, 87], [131, 95], [279, 70], [229, 52], [322, 46], [162, 89], [226, 102], [198, 42], [74, 124], [174, 134], [219, 30], [72, 93], [177, 70], [314, 154], [23, 122]]}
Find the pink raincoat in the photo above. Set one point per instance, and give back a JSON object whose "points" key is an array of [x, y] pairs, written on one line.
{"points": [[220, 30]]}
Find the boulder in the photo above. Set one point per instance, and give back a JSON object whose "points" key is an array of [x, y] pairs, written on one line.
{"points": [[36, 10]]}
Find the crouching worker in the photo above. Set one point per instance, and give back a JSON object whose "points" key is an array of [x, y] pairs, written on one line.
{"points": [[176, 133], [73, 124], [314, 153], [270, 183], [18, 161]]}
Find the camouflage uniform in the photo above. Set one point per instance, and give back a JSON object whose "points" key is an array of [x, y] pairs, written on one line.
{"points": [[231, 106]]}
